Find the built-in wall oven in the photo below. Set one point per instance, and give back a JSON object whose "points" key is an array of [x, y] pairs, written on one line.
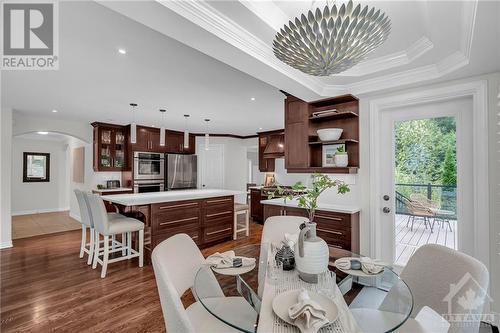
{"points": [[149, 166], [145, 186], [149, 172]]}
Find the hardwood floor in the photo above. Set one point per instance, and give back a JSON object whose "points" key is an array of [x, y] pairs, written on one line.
{"points": [[45, 287], [30, 225]]}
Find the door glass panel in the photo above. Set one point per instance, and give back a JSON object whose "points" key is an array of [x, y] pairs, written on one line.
{"points": [[119, 149], [105, 150], [425, 185]]}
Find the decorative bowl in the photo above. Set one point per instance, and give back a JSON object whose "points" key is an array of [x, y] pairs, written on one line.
{"points": [[329, 134]]}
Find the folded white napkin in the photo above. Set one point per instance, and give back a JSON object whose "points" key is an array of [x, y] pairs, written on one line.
{"points": [[368, 265], [225, 260], [307, 314], [291, 240]]}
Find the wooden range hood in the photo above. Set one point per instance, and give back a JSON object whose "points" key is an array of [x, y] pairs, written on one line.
{"points": [[275, 147]]}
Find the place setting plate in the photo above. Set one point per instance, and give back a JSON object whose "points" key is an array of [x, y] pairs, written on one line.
{"points": [[233, 271], [283, 301], [358, 272]]}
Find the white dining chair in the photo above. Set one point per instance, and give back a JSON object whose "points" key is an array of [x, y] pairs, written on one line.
{"points": [[275, 228], [176, 262], [111, 227], [435, 272]]}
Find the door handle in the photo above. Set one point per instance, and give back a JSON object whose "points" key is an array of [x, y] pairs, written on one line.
{"points": [[386, 197], [386, 210]]}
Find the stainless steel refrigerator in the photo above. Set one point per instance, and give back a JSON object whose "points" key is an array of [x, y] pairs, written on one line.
{"points": [[180, 171]]}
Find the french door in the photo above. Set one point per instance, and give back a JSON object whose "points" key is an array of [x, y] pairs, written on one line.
{"points": [[446, 219]]}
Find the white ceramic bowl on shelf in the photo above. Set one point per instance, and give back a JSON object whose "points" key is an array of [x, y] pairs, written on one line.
{"points": [[329, 134]]}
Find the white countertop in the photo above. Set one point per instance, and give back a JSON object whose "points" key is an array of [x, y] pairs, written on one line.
{"points": [[321, 206], [135, 199], [118, 189]]}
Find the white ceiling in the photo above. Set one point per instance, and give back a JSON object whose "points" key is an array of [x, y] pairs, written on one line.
{"points": [[208, 59]]}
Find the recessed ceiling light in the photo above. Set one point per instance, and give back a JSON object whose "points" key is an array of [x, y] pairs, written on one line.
{"points": [[43, 133], [122, 51], [252, 99], [54, 111]]}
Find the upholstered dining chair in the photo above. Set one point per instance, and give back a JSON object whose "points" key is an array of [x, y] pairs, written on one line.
{"points": [[108, 228], [437, 277], [275, 228], [176, 262]]}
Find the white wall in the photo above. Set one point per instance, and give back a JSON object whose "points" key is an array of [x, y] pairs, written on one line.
{"points": [[5, 180], [81, 133], [39, 197], [235, 162]]}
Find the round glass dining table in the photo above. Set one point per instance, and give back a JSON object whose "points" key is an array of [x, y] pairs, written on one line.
{"points": [[379, 303]]}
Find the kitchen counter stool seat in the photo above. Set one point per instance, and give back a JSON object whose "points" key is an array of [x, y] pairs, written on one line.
{"points": [[109, 227], [240, 209]]}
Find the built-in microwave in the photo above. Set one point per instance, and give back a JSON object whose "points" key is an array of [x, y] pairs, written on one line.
{"points": [[149, 166]]}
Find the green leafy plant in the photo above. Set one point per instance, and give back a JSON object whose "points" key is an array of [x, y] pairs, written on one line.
{"points": [[341, 150], [308, 197]]}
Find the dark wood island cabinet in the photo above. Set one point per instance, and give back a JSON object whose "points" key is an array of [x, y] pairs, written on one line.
{"points": [[207, 219]]}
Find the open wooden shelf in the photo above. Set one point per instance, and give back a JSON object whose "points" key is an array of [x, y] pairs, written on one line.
{"points": [[336, 115], [340, 141]]}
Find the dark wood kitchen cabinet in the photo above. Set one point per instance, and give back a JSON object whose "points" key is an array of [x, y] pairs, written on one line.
{"points": [[148, 139], [304, 149], [340, 230], [110, 147], [265, 164], [296, 133], [175, 143], [256, 208]]}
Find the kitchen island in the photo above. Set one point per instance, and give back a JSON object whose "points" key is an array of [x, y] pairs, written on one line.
{"points": [[205, 215]]}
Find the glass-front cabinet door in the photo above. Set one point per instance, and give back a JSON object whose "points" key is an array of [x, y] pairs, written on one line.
{"points": [[119, 149], [105, 154], [110, 147]]}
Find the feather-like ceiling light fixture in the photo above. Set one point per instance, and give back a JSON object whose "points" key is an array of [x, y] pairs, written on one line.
{"points": [[327, 42]]}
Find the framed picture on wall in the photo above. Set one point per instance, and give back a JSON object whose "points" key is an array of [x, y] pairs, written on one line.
{"points": [[329, 152], [36, 167]]}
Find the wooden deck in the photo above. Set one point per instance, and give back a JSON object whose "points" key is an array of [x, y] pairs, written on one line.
{"points": [[408, 241]]}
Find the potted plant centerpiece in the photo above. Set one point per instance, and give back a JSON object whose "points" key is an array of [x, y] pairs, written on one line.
{"points": [[313, 253]]}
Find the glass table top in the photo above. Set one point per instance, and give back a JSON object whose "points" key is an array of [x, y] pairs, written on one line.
{"points": [[380, 303]]}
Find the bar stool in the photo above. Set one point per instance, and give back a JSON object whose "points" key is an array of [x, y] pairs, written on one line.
{"points": [[240, 209], [108, 228], [87, 222]]}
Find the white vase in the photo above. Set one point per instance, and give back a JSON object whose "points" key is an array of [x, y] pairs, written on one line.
{"points": [[311, 254], [341, 160]]}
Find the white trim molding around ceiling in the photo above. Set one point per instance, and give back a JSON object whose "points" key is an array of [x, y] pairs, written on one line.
{"points": [[206, 17]]}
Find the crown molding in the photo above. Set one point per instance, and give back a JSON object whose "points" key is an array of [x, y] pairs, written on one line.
{"points": [[397, 59], [207, 17], [210, 19], [445, 66]]}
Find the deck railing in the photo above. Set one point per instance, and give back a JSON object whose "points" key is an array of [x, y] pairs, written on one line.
{"points": [[444, 195]]}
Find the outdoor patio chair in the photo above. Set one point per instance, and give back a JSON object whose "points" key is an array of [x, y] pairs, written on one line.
{"points": [[440, 215], [417, 210]]}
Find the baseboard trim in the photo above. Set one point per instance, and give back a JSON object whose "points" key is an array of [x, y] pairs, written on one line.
{"points": [[5, 245], [39, 211], [76, 217]]}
